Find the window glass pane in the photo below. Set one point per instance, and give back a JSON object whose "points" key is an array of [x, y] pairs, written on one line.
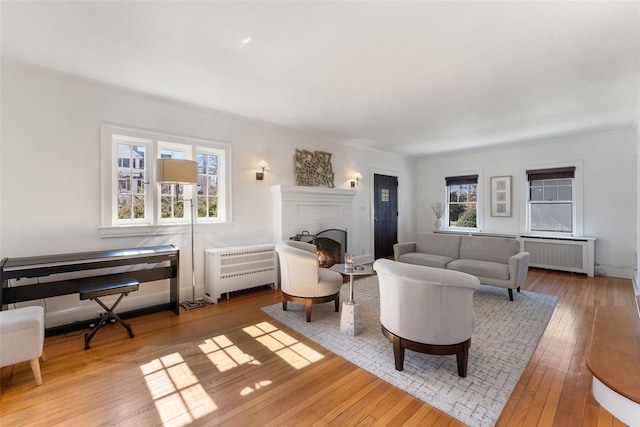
{"points": [[213, 165], [564, 193], [202, 185], [551, 217], [462, 215], [213, 206], [138, 186], [550, 193], [202, 164], [536, 194], [124, 207], [124, 186], [473, 194], [463, 195], [138, 207], [165, 207], [454, 193], [564, 182], [178, 208], [213, 186], [550, 182]]}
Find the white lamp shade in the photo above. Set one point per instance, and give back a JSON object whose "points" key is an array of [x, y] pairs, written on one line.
{"points": [[262, 164], [177, 171]]}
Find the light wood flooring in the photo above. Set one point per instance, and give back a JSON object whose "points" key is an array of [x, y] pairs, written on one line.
{"points": [[230, 364]]}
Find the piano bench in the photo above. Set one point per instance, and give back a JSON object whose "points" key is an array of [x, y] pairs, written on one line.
{"points": [[95, 291]]}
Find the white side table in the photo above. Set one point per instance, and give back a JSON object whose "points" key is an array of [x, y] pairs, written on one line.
{"points": [[350, 319]]}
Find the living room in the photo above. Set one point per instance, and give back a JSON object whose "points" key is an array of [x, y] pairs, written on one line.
{"points": [[53, 119]]}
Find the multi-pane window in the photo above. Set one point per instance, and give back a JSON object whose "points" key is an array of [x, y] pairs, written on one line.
{"points": [[551, 200], [132, 196], [208, 181], [462, 201], [130, 180]]}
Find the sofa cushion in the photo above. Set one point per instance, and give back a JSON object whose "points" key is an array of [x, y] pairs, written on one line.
{"points": [[438, 244], [428, 260], [480, 268], [492, 249]]}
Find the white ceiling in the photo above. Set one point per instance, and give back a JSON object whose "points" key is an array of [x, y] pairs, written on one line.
{"points": [[416, 77]]}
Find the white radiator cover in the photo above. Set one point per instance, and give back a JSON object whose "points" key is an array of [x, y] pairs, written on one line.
{"points": [[237, 268], [575, 254]]}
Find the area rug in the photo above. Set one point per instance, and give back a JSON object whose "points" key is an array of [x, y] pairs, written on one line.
{"points": [[507, 333]]}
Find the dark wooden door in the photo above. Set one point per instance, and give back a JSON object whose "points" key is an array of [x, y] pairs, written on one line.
{"points": [[385, 215]]}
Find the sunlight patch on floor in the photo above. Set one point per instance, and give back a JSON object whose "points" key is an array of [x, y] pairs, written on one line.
{"points": [[179, 398], [289, 349], [257, 386], [224, 354]]}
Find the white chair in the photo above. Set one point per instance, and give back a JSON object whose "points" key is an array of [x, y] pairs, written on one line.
{"points": [[22, 338], [302, 280], [426, 309]]}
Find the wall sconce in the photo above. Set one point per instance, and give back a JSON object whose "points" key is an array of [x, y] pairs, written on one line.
{"points": [[357, 178], [262, 164]]}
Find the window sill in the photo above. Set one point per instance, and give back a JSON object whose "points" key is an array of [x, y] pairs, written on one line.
{"points": [[107, 232]]}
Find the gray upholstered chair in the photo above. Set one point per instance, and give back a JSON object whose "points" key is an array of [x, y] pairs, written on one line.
{"points": [[302, 280], [426, 309], [22, 338]]}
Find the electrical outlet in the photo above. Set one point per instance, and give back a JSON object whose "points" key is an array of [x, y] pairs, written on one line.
{"points": [[101, 313]]}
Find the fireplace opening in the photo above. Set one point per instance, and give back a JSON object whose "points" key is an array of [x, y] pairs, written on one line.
{"points": [[331, 245]]}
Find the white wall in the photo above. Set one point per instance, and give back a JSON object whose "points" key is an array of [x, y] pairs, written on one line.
{"points": [[50, 181], [609, 188]]}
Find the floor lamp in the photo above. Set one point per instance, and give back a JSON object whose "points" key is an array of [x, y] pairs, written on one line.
{"points": [[185, 172]]}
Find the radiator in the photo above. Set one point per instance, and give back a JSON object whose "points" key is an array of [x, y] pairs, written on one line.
{"points": [[233, 269], [565, 254]]}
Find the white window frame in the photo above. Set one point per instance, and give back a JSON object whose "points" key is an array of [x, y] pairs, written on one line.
{"points": [[222, 189], [479, 203], [111, 226], [577, 199], [137, 140]]}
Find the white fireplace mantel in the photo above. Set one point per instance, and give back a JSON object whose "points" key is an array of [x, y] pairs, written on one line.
{"points": [[298, 208]]}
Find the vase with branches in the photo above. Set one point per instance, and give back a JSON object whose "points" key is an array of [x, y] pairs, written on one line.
{"points": [[438, 210]]}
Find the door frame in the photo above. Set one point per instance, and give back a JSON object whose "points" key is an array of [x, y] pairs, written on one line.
{"points": [[379, 171]]}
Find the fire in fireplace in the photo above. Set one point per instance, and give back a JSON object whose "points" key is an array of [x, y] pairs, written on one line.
{"points": [[331, 245]]}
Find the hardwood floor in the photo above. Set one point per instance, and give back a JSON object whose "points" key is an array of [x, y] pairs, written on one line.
{"points": [[230, 364]]}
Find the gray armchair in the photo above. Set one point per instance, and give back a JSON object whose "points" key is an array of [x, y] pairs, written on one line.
{"points": [[426, 309], [302, 280]]}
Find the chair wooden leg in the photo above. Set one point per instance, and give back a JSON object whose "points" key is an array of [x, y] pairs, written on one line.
{"points": [[518, 289], [42, 358], [308, 306], [398, 353], [338, 303], [35, 367], [284, 304], [463, 360], [510, 294]]}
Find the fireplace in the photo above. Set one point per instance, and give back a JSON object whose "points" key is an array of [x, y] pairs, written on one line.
{"points": [[331, 245]]}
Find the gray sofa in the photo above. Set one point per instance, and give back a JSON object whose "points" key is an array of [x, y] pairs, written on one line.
{"points": [[493, 260]]}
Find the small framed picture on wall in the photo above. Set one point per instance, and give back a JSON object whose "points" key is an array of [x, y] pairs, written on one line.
{"points": [[501, 196]]}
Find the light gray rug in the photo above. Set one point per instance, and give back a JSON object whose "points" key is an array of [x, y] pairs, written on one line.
{"points": [[506, 335]]}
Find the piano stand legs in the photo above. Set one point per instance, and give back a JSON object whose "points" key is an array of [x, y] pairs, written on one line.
{"points": [[109, 314]]}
